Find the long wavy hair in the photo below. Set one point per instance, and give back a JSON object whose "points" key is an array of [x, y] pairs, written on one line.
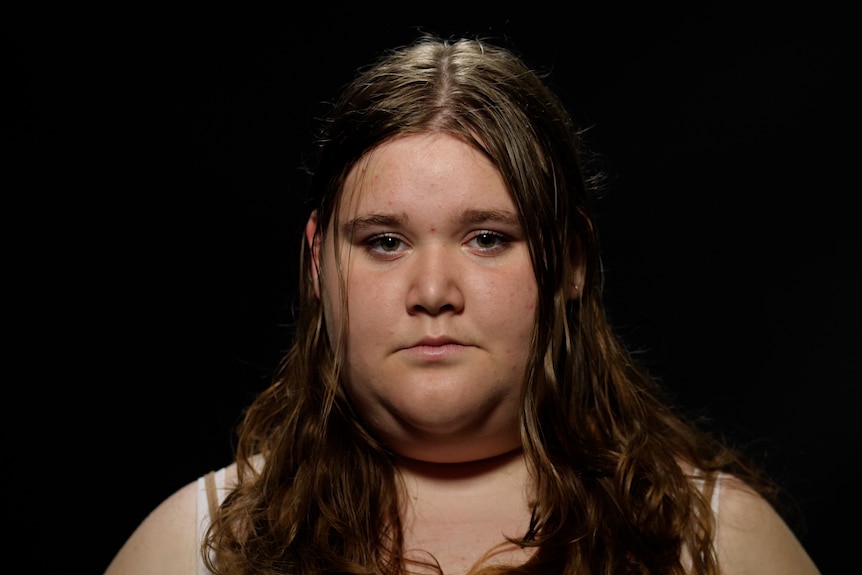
{"points": [[622, 478]]}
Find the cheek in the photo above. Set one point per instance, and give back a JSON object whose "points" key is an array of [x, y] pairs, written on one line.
{"points": [[331, 300], [522, 296], [512, 313], [367, 305], [520, 327]]}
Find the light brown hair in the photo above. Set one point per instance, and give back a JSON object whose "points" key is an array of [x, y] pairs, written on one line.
{"points": [[606, 448]]}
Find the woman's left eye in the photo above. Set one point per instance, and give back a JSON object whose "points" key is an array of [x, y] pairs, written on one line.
{"points": [[488, 241]]}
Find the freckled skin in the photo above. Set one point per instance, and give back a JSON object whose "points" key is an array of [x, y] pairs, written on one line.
{"points": [[441, 275]]}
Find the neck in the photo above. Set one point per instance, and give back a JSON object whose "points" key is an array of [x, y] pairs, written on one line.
{"points": [[459, 511], [500, 471]]}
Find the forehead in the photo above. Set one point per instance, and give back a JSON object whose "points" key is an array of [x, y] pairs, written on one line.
{"points": [[434, 171]]}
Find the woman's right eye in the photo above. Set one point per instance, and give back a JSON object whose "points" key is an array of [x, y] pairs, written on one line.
{"points": [[385, 243]]}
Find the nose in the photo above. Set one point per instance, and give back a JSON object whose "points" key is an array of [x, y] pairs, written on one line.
{"points": [[436, 281]]}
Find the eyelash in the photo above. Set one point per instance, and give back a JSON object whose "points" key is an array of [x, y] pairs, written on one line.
{"points": [[501, 240], [375, 243]]}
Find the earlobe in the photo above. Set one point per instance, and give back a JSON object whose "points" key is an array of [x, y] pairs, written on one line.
{"points": [[578, 276], [577, 282], [584, 244], [314, 250]]}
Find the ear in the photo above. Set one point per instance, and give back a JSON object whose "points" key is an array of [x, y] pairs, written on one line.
{"points": [[314, 249], [578, 272], [584, 244], [577, 281]]}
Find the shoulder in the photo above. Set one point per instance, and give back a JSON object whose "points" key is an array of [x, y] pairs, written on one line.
{"points": [[753, 538], [167, 540]]}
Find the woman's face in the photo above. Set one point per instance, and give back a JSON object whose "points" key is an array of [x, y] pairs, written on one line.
{"points": [[441, 298]]}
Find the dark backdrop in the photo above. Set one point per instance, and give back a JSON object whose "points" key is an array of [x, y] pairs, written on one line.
{"points": [[152, 232]]}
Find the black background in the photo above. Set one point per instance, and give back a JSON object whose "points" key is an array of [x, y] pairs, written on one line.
{"points": [[152, 232]]}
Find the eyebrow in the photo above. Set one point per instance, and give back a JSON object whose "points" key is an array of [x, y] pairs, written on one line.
{"points": [[360, 223], [497, 216], [471, 216]]}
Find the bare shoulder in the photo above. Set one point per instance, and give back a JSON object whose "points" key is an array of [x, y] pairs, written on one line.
{"points": [[753, 538], [165, 543]]}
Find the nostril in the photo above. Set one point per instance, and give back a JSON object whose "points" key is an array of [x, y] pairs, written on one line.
{"points": [[433, 309]]}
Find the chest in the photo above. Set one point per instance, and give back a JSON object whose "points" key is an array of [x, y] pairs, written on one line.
{"points": [[457, 538]]}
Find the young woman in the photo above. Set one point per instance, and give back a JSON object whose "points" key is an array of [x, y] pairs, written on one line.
{"points": [[455, 400]]}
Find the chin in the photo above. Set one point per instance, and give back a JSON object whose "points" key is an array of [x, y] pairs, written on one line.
{"points": [[460, 448]]}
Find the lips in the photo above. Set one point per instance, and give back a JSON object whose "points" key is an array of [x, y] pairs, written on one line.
{"points": [[438, 341], [435, 348]]}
